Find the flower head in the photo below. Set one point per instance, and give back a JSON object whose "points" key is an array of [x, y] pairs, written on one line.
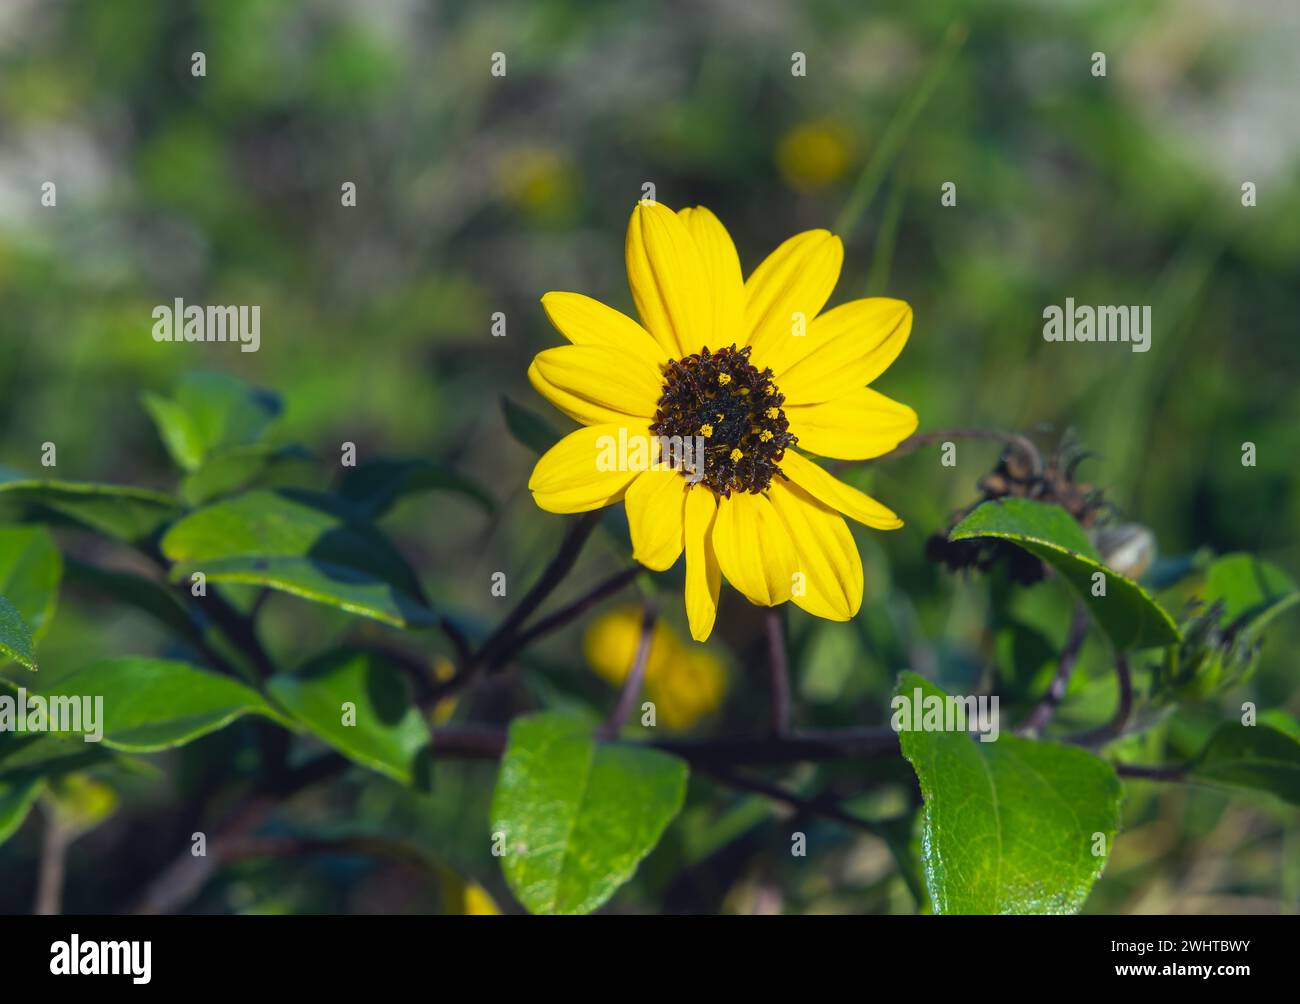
{"points": [[724, 377]]}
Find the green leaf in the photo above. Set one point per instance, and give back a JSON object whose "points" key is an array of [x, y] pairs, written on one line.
{"points": [[375, 487], [17, 796], [300, 543], [1257, 757], [155, 598], [226, 470], [528, 428], [209, 411], [1253, 592], [1130, 616], [131, 514], [15, 636], [578, 816], [387, 733], [1009, 826], [30, 569], [154, 704]]}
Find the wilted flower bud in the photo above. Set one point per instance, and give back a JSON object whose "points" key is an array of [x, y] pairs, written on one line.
{"points": [[1209, 659]]}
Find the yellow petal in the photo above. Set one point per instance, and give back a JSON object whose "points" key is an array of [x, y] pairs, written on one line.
{"points": [[828, 562], [754, 550], [703, 576], [722, 271], [576, 474], [795, 279], [669, 284], [593, 384], [585, 321], [855, 426], [831, 491], [845, 348], [656, 506]]}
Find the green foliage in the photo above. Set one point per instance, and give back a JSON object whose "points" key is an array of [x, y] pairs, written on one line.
{"points": [[360, 705], [1252, 592], [1010, 826], [154, 704], [30, 569], [131, 514], [1128, 615], [301, 543], [15, 635], [17, 796], [1256, 757], [576, 816]]}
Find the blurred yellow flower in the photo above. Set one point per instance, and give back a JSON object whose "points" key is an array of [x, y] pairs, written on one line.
{"points": [[684, 682], [814, 155], [737, 500], [536, 180]]}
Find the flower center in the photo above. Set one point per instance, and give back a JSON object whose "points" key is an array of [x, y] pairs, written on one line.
{"points": [[735, 410]]}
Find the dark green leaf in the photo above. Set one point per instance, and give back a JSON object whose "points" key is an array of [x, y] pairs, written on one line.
{"points": [[30, 569], [158, 599], [529, 428], [300, 543], [578, 816], [1129, 616], [209, 411], [228, 469], [387, 733], [1257, 757], [1010, 826], [153, 704], [1253, 592], [131, 514], [15, 636], [375, 487], [17, 796]]}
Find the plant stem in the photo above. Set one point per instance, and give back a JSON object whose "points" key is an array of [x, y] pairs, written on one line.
{"points": [[1123, 709], [1045, 708], [779, 672], [605, 588], [490, 654], [632, 684], [488, 743], [896, 133]]}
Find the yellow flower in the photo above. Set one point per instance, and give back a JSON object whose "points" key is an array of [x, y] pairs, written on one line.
{"points": [[769, 520], [814, 155], [684, 683]]}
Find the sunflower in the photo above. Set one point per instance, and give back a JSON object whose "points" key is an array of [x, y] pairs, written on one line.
{"points": [[747, 370]]}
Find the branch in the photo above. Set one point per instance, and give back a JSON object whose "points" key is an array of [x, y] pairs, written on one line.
{"points": [[1045, 708], [631, 689], [813, 746], [490, 653], [1123, 710], [779, 671]]}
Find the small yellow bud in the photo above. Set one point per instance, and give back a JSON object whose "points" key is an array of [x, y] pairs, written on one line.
{"points": [[724, 379], [706, 430], [736, 455], [765, 435], [772, 412]]}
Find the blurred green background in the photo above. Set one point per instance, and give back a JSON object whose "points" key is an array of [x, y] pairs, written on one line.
{"points": [[477, 194]]}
